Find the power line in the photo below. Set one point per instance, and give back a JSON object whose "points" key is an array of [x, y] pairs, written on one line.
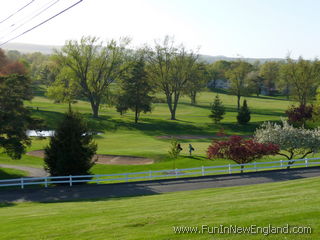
{"points": [[17, 11], [31, 18], [43, 22]]}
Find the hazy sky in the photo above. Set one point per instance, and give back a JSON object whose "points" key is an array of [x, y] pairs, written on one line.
{"points": [[249, 28]]}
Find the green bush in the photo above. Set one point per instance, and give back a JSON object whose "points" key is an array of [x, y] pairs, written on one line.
{"points": [[244, 114]]}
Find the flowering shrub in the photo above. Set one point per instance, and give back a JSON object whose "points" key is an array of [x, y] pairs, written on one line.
{"points": [[294, 142], [299, 115], [240, 150]]}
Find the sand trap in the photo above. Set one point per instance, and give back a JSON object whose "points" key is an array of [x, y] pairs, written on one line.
{"points": [[108, 159]]}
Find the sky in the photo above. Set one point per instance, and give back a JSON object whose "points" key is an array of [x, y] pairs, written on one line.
{"points": [[233, 28]]}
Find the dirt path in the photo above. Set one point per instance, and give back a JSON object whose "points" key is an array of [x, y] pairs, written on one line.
{"points": [[108, 159], [33, 172]]}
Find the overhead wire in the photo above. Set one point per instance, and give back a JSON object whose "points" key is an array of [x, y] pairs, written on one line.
{"points": [[43, 22], [52, 3], [10, 16]]}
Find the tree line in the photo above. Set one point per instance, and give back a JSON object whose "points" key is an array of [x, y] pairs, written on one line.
{"points": [[88, 69]]}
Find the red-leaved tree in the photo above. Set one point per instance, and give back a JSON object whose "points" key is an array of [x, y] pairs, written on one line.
{"points": [[297, 116], [241, 150]]}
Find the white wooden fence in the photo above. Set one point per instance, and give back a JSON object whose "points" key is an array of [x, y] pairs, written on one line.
{"points": [[159, 174]]}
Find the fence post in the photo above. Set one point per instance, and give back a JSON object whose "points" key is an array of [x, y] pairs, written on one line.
{"points": [[70, 180], [150, 174], [127, 177], [229, 168], [176, 172], [281, 164], [306, 161], [202, 170], [255, 166], [46, 181], [22, 183]]}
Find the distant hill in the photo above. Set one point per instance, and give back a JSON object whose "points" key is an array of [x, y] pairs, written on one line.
{"points": [[211, 59], [29, 48], [47, 49]]}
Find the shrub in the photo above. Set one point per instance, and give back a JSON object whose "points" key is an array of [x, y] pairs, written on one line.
{"points": [[297, 116], [71, 149], [240, 150], [244, 114], [217, 110]]}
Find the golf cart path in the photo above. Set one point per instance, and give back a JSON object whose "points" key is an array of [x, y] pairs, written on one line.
{"points": [[33, 171], [100, 191]]}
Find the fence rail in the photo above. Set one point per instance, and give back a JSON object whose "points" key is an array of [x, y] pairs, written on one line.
{"points": [[159, 174]]}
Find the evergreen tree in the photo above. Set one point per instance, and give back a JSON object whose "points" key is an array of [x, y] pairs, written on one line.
{"points": [[135, 91], [71, 149], [217, 110], [244, 114]]}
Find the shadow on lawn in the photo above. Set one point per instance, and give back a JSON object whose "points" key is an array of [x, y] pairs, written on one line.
{"points": [[268, 112], [106, 192], [151, 126], [6, 175]]}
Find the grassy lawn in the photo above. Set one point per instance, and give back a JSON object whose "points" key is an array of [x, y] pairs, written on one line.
{"points": [[122, 137], [296, 203], [8, 173]]}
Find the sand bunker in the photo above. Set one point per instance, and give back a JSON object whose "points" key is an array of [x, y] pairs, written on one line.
{"points": [[108, 159]]}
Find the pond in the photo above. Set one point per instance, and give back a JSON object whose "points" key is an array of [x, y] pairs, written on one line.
{"points": [[47, 133], [44, 133]]}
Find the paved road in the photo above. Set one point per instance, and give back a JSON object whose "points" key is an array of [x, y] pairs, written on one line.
{"points": [[152, 187], [33, 172]]}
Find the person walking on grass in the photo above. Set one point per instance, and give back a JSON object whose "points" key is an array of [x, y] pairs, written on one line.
{"points": [[191, 149]]}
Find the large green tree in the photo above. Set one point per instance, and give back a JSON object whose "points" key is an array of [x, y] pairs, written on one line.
{"points": [[198, 80], [94, 65], [270, 72], [65, 88], [171, 67], [303, 77], [15, 118], [238, 77], [135, 90], [217, 71]]}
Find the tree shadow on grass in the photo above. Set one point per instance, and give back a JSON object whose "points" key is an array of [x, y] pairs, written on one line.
{"points": [[265, 112], [51, 119], [8, 175], [6, 204]]}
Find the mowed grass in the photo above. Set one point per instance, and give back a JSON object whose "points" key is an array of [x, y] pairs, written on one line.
{"points": [[9, 173], [122, 137], [296, 203]]}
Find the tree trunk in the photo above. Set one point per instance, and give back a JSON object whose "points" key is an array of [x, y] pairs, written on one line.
{"points": [[193, 98], [241, 169], [289, 164], [175, 105], [169, 102], [136, 117], [173, 115], [95, 109], [238, 101], [69, 104]]}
